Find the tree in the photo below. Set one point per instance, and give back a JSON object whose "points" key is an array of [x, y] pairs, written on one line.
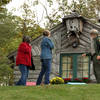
{"points": [[12, 28], [27, 23], [3, 2], [87, 8], [6, 72], [8, 27]]}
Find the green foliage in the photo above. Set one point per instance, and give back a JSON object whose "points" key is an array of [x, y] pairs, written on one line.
{"points": [[6, 72], [12, 28], [87, 8], [2, 3], [51, 92], [8, 27], [27, 23]]}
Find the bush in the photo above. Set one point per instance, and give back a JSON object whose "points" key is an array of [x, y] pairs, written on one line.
{"points": [[6, 72], [85, 79], [66, 80], [57, 80]]}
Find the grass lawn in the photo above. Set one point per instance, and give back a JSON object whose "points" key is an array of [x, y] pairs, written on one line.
{"points": [[52, 92]]}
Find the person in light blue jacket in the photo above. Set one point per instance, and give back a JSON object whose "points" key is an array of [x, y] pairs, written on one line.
{"points": [[46, 58]]}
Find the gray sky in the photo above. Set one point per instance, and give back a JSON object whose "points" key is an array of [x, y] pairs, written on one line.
{"points": [[39, 10]]}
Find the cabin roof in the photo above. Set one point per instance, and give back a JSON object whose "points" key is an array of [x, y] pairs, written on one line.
{"points": [[71, 16]]}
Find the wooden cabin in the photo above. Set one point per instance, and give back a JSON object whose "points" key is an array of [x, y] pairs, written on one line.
{"points": [[71, 38]]}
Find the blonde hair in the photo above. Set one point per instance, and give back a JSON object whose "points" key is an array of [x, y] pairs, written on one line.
{"points": [[46, 33]]}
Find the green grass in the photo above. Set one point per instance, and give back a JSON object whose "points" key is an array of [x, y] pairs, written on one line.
{"points": [[52, 92]]}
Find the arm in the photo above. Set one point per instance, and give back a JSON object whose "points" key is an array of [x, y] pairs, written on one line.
{"points": [[98, 46], [88, 54], [50, 43]]}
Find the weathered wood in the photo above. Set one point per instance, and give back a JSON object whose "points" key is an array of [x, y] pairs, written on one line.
{"points": [[65, 41], [64, 36], [85, 29], [95, 26], [56, 28], [74, 50], [88, 41], [86, 24], [87, 35], [17, 72]]}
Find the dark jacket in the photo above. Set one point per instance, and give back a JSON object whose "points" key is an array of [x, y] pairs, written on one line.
{"points": [[46, 48], [96, 47]]}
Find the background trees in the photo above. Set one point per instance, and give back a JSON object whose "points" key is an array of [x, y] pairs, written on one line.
{"points": [[12, 28], [87, 8]]}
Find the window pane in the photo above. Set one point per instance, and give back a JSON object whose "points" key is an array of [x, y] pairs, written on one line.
{"points": [[69, 59], [64, 67], [64, 74], [64, 59], [67, 67], [79, 74], [85, 59], [85, 74], [82, 67], [69, 74], [85, 66]]}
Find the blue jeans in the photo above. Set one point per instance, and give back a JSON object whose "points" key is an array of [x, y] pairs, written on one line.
{"points": [[24, 74], [45, 70]]}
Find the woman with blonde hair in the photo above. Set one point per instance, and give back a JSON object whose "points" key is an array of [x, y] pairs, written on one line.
{"points": [[46, 57]]}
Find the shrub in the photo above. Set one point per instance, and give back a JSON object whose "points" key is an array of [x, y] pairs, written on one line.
{"points": [[6, 72], [85, 79], [77, 80], [66, 80], [57, 80]]}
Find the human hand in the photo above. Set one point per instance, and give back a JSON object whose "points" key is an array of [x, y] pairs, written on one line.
{"points": [[83, 55], [98, 57]]}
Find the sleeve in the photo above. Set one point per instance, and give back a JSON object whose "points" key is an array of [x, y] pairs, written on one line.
{"points": [[50, 43], [98, 46], [88, 54], [24, 48]]}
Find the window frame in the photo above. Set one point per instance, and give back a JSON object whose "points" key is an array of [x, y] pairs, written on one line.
{"points": [[75, 64]]}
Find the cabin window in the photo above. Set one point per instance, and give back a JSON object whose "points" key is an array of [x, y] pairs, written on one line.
{"points": [[74, 66]]}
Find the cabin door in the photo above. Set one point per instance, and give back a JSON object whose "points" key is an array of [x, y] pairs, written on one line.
{"points": [[74, 66]]}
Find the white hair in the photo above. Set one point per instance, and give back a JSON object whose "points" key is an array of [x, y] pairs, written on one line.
{"points": [[93, 31]]}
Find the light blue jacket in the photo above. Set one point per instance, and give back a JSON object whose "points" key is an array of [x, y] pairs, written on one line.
{"points": [[46, 48]]}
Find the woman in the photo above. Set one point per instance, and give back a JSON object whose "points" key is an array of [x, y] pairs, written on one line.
{"points": [[46, 57], [23, 59]]}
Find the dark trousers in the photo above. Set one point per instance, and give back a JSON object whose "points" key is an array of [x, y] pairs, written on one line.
{"points": [[24, 74], [96, 67], [45, 70]]}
